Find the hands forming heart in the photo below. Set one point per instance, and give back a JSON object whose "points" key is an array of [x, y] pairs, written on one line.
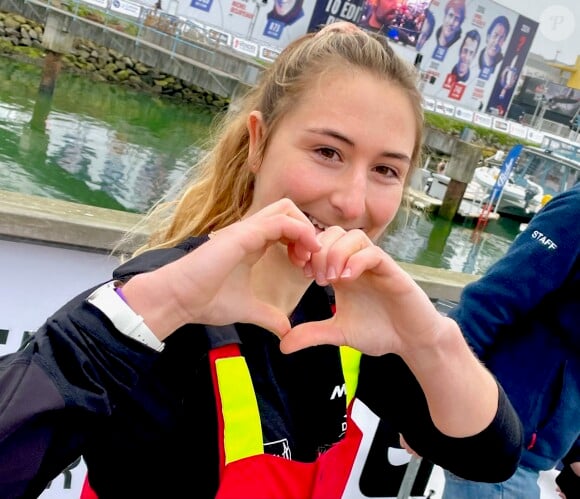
{"points": [[380, 308]]}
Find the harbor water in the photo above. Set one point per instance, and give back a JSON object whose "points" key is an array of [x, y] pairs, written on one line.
{"points": [[115, 147]]}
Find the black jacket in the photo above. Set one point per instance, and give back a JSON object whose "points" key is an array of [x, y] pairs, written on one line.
{"points": [[145, 421]]}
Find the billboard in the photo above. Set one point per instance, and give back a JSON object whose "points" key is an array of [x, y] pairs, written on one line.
{"points": [[273, 24], [560, 103], [400, 20], [473, 52]]}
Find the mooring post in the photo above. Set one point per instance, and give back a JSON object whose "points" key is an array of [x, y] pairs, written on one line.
{"points": [[459, 169], [57, 41]]}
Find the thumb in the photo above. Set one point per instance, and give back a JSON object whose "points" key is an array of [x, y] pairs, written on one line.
{"points": [[311, 334], [267, 317]]}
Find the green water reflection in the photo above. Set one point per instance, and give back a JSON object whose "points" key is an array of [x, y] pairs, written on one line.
{"points": [[93, 143], [114, 147], [439, 243]]}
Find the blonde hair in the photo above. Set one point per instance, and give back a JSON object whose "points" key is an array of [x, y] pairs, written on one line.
{"points": [[222, 185]]}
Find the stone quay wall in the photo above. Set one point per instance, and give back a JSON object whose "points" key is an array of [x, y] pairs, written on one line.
{"points": [[21, 38]]}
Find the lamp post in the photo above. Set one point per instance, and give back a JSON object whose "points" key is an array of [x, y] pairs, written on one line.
{"points": [[575, 125], [259, 4]]}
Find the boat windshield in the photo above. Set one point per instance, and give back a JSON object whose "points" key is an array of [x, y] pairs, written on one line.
{"points": [[553, 174]]}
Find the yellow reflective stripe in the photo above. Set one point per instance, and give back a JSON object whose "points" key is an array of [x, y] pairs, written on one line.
{"points": [[350, 360], [242, 426]]}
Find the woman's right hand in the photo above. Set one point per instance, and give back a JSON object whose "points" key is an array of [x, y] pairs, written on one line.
{"points": [[211, 285]]}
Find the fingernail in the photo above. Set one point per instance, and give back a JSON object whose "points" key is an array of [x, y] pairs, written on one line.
{"points": [[331, 273], [308, 270], [347, 272]]}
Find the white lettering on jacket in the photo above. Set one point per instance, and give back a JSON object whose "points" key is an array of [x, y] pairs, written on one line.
{"points": [[545, 240], [339, 391]]}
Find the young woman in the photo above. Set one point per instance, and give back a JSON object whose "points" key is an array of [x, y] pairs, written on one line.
{"points": [[209, 366]]}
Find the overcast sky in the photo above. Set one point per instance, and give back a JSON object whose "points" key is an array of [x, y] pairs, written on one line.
{"points": [[558, 34]]}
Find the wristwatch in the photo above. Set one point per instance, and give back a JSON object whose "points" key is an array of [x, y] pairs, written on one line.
{"points": [[106, 299]]}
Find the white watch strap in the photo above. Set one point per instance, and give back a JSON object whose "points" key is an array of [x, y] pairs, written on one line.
{"points": [[106, 299]]}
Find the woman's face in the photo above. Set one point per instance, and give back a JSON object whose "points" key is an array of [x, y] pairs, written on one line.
{"points": [[342, 153]]}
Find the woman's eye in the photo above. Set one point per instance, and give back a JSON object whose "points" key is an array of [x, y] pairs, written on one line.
{"points": [[386, 171], [328, 153]]}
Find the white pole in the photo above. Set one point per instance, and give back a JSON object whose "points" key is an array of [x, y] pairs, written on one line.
{"points": [[409, 477]]}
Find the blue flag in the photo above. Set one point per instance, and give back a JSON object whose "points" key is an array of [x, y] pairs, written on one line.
{"points": [[505, 172]]}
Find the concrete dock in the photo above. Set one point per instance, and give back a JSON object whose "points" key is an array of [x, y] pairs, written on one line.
{"points": [[69, 225]]}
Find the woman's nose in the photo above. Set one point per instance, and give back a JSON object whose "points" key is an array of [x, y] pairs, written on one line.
{"points": [[349, 196]]}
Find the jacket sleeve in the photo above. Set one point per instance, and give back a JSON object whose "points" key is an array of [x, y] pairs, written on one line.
{"points": [[57, 388], [538, 262], [64, 382], [490, 456]]}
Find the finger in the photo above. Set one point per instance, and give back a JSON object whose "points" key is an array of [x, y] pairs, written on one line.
{"points": [[342, 250], [318, 262], [311, 334], [256, 234], [295, 227], [369, 258], [267, 317], [286, 230], [298, 224], [298, 254], [284, 206]]}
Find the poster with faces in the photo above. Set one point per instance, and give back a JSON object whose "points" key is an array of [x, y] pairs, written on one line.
{"points": [[270, 23], [470, 46], [274, 22]]}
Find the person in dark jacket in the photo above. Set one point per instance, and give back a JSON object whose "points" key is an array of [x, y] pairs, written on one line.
{"points": [[491, 55], [522, 320], [462, 69], [450, 30], [261, 344]]}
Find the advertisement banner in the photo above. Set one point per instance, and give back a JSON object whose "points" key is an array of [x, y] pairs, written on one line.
{"points": [[467, 45], [126, 8], [329, 11], [204, 5], [245, 47], [517, 130], [401, 21], [99, 3], [274, 24], [511, 66], [464, 114], [268, 53], [560, 103], [483, 120]]}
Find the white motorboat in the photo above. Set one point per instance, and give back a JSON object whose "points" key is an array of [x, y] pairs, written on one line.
{"points": [[537, 176], [518, 199]]}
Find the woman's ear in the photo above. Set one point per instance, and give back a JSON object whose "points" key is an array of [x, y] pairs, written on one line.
{"points": [[255, 124]]}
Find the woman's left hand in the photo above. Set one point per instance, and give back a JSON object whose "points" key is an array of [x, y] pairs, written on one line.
{"points": [[379, 307]]}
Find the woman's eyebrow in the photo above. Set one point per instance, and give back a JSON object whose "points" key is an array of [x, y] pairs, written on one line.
{"points": [[343, 138]]}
